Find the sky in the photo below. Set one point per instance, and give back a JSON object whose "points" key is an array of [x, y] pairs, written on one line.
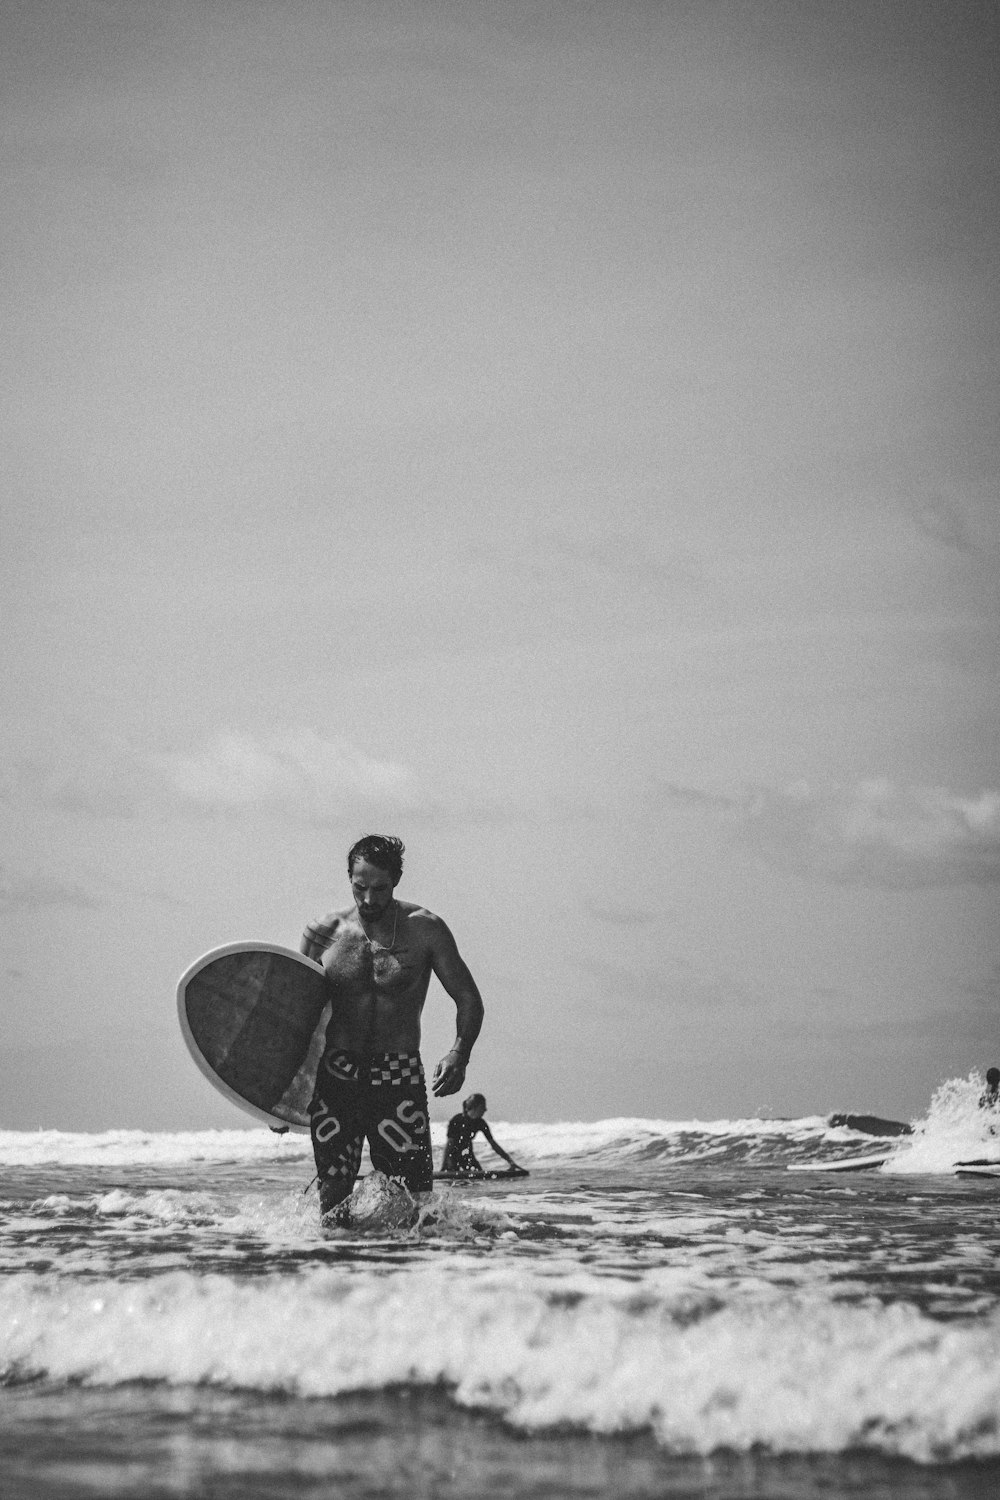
{"points": [[563, 435]]}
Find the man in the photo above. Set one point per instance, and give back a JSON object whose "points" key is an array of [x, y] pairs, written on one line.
{"points": [[459, 1157], [379, 955], [990, 1097]]}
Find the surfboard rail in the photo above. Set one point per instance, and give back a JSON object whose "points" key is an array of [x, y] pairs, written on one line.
{"points": [[842, 1164], [254, 946]]}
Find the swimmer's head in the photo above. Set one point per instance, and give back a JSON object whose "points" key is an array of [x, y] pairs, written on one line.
{"points": [[474, 1104], [993, 1075]]}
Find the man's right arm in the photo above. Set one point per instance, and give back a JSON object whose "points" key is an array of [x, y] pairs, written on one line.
{"points": [[317, 937]]}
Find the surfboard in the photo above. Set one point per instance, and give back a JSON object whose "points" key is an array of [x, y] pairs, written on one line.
{"points": [[842, 1164], [254, 1016], [988, 1167], [488, 1176]]}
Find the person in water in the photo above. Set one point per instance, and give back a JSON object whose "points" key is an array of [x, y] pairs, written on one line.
{"points": [[379, 954], [459, 1157], [990, 1097]]}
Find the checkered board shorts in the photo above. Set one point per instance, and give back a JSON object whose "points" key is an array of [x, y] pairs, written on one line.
{"points": [[382, 1099]]}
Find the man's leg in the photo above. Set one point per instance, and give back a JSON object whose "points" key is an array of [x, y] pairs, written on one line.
{"points": [[397, 1123], [337, 1128]]}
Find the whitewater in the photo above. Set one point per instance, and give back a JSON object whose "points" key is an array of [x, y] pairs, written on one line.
{"points": [[661, 1308]]}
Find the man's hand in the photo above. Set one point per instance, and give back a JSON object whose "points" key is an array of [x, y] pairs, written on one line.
{"points": [[449, 1075]]}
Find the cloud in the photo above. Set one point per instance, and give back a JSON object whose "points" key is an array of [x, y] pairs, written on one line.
{"points": [[109, 788], [880, 833], [874, 833], [292, 772], [76, 772], [620, 916], [295, 772], [692, 796], [635, 555], [675, 982], [39, 890], [943, 521]]}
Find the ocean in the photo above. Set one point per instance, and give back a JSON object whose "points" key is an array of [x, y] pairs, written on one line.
{"points": [[660, 1309]]}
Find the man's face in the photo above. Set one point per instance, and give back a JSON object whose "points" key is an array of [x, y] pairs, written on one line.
{"points": [[372, 888]]}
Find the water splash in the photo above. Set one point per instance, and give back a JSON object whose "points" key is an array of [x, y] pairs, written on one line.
{"points": [[956, 1128], [380, 1205]]}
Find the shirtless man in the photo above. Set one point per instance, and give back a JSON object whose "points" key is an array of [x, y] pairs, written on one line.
{"points": [[379, 955]]}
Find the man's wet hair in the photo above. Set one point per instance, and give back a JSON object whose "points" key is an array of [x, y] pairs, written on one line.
{"points": [[993, 1075], [379, 849], [473, 1099]]}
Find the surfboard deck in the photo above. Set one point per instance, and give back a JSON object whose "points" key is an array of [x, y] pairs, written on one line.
{"points": [[253, 1016], [988, 1167], [842, 1164]]}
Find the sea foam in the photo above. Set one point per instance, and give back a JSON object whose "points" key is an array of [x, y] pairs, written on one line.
{"points": [[617, 1142], [127, 1148], [955, 1129], [793, 1374]]}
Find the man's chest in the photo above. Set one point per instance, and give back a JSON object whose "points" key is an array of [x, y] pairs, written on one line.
{"points": [[352, 962]]}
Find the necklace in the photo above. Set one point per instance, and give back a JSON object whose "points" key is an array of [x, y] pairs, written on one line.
{"points": [[382, 947]]}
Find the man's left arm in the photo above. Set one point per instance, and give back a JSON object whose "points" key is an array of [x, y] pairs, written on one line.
{"points": [[453, 972]]}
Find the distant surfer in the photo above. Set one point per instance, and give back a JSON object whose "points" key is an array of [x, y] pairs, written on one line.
{"points": [[379, 955], [990, 1097], [459, 1158]]}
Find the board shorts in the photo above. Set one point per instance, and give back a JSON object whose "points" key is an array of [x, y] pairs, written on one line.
{"points": [[382, 1099]]}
